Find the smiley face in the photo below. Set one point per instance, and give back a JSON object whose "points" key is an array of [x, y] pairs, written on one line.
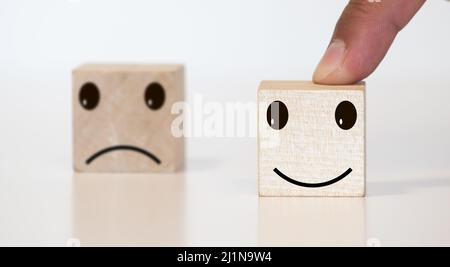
{"points": [[311, 140], [278, 116]]}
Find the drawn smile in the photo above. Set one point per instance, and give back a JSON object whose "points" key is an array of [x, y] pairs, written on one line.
{"points": [[129, 148], [313, 185]]}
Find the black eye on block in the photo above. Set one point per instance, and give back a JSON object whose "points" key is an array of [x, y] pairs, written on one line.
{"points": [[89, 96], [155, 96], [277, 115], [345, 115]]}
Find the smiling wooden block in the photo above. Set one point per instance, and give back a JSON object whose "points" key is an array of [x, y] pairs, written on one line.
{"points": [[311, 139], [122, 118]]}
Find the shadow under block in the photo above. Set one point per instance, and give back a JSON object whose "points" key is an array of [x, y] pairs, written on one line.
{"points": [[311, 139], [122, 118]]}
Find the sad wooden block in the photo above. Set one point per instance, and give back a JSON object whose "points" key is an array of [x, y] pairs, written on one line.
{"points": [[122, 118], [311, 139]]}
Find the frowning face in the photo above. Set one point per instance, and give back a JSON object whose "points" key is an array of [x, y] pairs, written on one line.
{"points": [[89, 99], [122, 118], [311, 140]]}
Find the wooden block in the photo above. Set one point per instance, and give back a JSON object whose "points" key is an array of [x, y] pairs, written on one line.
{"points": [[311, 139], [122, 118]]}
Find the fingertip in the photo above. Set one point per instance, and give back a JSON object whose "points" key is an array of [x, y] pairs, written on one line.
{"points": [[338, 77], [331, 60], [332, 68], [361, 39]]}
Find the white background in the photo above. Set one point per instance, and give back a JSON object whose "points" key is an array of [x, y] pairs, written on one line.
{"points": [[227, 47]]}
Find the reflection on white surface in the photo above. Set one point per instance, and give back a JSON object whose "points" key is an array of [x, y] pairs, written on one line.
{"points": [[311, 222], [411, 208], [119, 209]]}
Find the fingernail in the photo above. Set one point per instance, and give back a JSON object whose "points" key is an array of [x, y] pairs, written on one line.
{"points": [[331, 61]]}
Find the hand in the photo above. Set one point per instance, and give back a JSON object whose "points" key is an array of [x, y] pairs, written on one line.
{"points": [[362, 37]]}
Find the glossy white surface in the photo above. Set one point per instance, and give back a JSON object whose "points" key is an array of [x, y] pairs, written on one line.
{"points": [[214, 202]]}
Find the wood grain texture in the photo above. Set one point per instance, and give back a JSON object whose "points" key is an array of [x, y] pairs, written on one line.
{"points": [[311, 148], [122, 117]]}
